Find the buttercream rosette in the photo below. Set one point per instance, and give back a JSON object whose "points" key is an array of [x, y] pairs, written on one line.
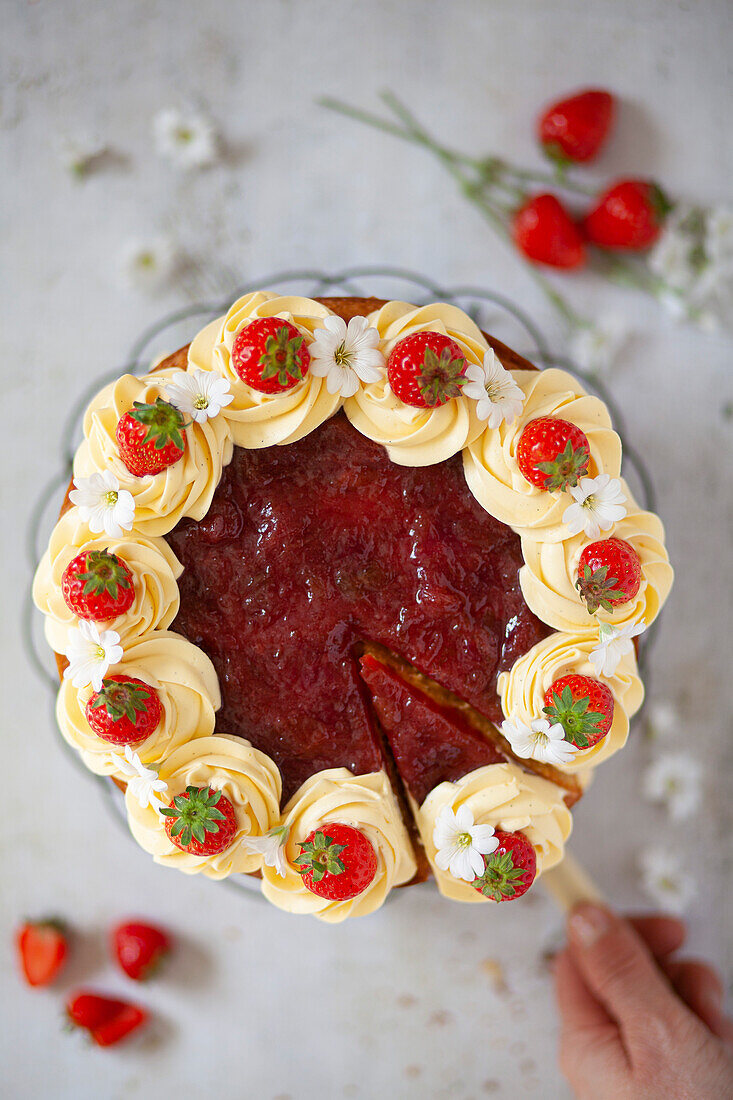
{"points": [[418, 436], [490, 462], [154, 567], [507, 798], [522, 689], [550, 571], [366, 802], [183, 489], [260, 419], [186, 684], [244, 775]]}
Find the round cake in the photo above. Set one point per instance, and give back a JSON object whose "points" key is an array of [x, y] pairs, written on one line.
{"points": [[345, 595]]}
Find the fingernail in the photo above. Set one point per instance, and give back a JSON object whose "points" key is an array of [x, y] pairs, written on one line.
{"points": [[588, 922]]}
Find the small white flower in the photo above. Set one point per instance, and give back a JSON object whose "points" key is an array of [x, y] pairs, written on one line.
{"points": [[271, 846], [662, 717], [80, 153], [186, 140], [675, 780], [90, 653], [665, 879], [719, 236], [461, 845], [344, 356], [599, 503], [102, 504], [199, 394], [594, 347], [614, 642], [542, 740], [149, 265], [492, 387], [142, 783]]}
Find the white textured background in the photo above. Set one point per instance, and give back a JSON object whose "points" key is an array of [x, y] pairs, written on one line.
{"points": [[256, 1003]]}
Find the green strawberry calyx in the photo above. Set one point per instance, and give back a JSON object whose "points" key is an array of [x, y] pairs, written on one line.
{"points": [[194, 814], [598, 589], [104, 573], [440, 377], [164, 422], [574, 717], [566, 468], [280, 359], [320, 856], [499, 877], [122, 700]]}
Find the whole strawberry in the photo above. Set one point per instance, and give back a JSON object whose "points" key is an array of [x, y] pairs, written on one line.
{"points": [[125, 711], [201, 821], [609, 574], [150, 437], [583, 707], [106, 1019], [544, 231], [553, 453], [629, 216], [97, 585], [426, 369], [510, 870], [574, 129], [139, 948], [337, 862], [42, 948], [270, 355]]}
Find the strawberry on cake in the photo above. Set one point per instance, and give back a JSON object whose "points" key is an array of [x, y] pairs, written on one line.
{"points": [[344, 596]]}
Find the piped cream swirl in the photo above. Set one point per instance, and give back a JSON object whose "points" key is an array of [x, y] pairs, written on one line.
{"points": [[246, 776], [184, 489], [412, 436], [505, 797], [550, 571], [522, 689], [186, 684], [151, 561], [490, 462], [264, 419], [368, 803]]}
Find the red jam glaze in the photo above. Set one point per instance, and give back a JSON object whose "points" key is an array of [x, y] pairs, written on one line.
{"points": [[310, 548], [430, 743]]}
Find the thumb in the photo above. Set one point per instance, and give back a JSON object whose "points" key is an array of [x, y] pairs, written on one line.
{"points": [[619, 970]]}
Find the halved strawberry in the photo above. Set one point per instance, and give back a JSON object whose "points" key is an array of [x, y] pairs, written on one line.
{"points": [[553, 453], [426, 370], [151, 437], [42, 947], [139, 948], [125, 711], [97, 585], [337, 862], [201, 821], [270, 355], [510, 870], [609, 574], [107, 1019], [583, 707]]}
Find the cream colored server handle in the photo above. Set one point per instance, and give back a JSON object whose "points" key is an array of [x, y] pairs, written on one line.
{"points": [[569, 884]]}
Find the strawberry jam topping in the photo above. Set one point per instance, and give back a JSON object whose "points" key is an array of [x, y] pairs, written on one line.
{"points": [[310, 549]]}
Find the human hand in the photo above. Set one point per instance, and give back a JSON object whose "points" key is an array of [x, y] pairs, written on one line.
{"points": [[638, 1023]]}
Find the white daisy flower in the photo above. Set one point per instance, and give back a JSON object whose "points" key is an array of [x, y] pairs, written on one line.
{"points": [[186, 140], [199, 394], [271, 846], [461, 845], [614, 642], [599, 503], [149, 265], [80, 153], [665, 879], [103, 505], [142, 783], [594, 347], [90, 653], [719, 236], [492, 387], [662, 717], [542, 740], [344, 356], [675, 780]]}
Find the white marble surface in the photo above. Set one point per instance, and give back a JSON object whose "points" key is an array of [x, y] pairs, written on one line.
{"points": [[256, 1003]]}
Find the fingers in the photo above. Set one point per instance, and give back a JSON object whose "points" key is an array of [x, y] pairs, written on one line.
{"points": [[590, 1044], [619, 971], [661, 934], [701, 988]]}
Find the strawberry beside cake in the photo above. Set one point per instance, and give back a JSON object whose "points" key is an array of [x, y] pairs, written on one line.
{"points": [[345, 595]]}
